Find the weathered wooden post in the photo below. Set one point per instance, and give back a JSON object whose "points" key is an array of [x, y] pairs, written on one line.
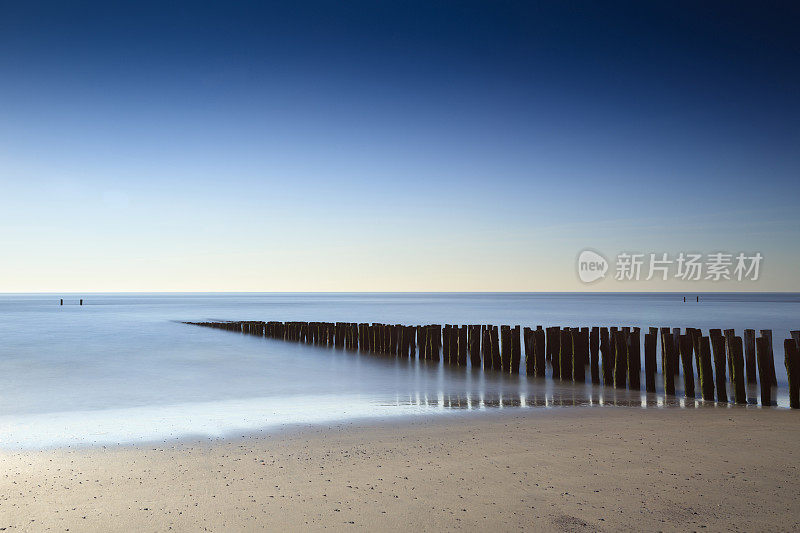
{"points": [[515, 350], [720, 363], [686, 361], [462, 346], [539, 350], [762, 354], [767, 334], [580, 347], [620, 359], [650, 362], [495, 349], [668, 347], [81, 301], [706, 370], [505, 348], [792, 362], [750, 354], [555, 342], [527, 342], [635, 360], [446, 343], [566, 356], [676, 342], [607, 362], [437, 340], [738, 377], [594, 349], [486, 344]]}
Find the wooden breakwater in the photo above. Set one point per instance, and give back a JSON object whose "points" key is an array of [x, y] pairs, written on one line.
{"points": [[612, 355]]}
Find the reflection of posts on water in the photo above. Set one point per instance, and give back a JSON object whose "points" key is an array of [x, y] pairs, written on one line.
{"points": [[721, 363]]}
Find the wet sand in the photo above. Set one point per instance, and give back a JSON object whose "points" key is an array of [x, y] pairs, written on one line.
{"points": [[567, 469]]}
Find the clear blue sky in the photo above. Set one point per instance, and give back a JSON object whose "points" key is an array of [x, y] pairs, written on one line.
{"points": [[392, 145]]}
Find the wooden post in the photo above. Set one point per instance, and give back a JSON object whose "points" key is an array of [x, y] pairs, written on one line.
{"points": [[767, 334], [635, 360], [706, 370], [650, 362], [792, 362], [580, 347], [555, 342], [515, 350], [762, 354], [607, 362], [527, 342], [738, 377], [62, 301], [539, 350], [720, 362], [81, 301], [505, 348], [668, 346], [486, 344], [446, 335], [676, 342], [495, 349], [620, 359], [594, 356], [474, 340], [566, 356], [462, 346], [686, 361]]}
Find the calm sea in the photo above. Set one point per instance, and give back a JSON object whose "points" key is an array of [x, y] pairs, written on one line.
{"points": [[123, 369]]}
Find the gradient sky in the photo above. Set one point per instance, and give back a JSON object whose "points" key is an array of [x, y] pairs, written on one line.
{"points": [[392, 146]]}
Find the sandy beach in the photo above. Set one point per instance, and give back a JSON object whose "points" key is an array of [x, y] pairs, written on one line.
{"points": [[568, 469]]}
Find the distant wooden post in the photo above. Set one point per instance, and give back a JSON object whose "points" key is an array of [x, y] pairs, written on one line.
{"points": [[738, 377], [706, 370], [594, 354], [762, 354], [62, 301], [686, 361], [650, 362], [792, 362], [81, 301]]}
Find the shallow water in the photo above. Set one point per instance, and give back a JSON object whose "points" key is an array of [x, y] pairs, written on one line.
{"points": [[122, 368]]}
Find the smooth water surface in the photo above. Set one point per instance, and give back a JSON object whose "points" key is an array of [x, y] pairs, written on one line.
{"points": [[122, 368]]}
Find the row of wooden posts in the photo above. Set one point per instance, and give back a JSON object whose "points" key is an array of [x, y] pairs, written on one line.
{"points": [[612, 355]]}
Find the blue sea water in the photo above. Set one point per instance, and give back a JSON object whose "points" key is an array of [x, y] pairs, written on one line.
{"points": [[122, 368]]}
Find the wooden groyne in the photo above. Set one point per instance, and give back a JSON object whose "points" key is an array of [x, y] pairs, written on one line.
{"points": [[612, 355]]}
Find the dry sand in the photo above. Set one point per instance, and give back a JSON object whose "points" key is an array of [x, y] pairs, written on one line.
{"points": [[568, 469]]}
